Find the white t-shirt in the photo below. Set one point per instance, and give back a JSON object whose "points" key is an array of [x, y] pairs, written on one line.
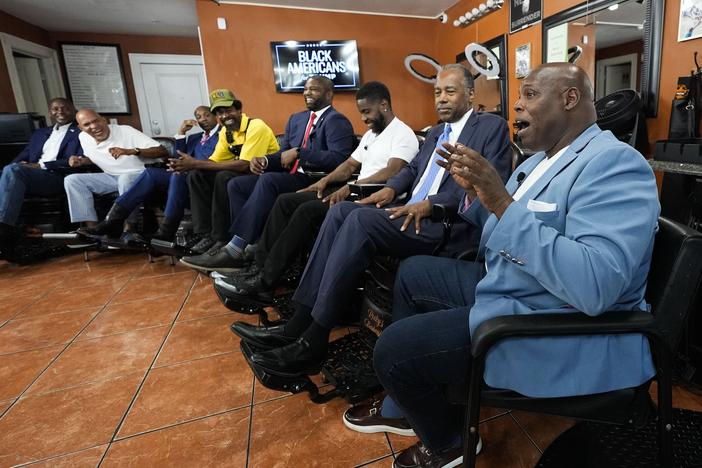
{"points": [[396, 140], [121, 136]]}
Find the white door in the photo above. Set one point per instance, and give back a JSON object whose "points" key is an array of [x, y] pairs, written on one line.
{"points": [[168, 89], [32, 84]]}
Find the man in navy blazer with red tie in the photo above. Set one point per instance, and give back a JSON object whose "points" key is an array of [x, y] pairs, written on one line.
{"points": [[318, 139], [37, 170]]}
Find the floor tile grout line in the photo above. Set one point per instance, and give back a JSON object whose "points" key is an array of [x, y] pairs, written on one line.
{"points": [[495, 416], [53, 457], [67, 345], [389, 455], [251, 410], [150, 368], [526, 433], [179, 423], [28, 306]]}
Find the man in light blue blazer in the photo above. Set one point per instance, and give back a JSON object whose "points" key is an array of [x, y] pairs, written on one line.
{"points": [[572, 230]]}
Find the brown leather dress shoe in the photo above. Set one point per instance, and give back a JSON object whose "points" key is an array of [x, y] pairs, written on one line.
{"points": [[419, 456], [366, 418]]}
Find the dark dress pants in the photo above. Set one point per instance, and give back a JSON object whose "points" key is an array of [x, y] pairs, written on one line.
{"points": [[351, 235], [427, 346], [289, 231], [251, 198], [209, 203], [153, 180], [18, 181]]}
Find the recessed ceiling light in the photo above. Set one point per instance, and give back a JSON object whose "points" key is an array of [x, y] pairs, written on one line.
{"points": [[613, 7]]}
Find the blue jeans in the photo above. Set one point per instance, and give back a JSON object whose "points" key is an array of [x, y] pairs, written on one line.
{"points": [[18, 181], [81, 187], [427, 347], [156, 179]]}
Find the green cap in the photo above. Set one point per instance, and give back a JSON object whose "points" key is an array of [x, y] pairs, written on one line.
{"points": [[221, 98]]}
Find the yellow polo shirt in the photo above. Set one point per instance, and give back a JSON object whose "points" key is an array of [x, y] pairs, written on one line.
{"points": [[258, 140]]}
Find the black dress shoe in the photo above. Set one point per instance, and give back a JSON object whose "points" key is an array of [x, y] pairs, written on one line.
{"points": [[292, 360], [111, 226], [252, 286], [262, 337], [419, 456]]}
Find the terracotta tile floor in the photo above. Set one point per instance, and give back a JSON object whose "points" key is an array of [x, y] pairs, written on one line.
{"points": [[122, 362]]}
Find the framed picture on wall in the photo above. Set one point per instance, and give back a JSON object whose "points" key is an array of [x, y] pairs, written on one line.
{"points": [[690, 25], [522, 60], [96, 77]]}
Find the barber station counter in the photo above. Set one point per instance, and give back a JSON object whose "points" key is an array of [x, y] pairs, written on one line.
{"points": [[676, 167]]}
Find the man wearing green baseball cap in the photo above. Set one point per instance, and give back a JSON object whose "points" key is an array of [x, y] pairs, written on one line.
{"points": [[240, 140]]}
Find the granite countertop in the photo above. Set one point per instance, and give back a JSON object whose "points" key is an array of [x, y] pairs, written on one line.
{"points": [[676, 167]]}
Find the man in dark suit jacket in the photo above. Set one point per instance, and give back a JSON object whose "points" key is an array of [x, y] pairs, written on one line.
{"points": [[352, 233], [37, 170], [200, 146], [315, 140]]}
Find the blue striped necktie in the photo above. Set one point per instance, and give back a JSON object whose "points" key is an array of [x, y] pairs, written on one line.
{"points": [[432, 169]]}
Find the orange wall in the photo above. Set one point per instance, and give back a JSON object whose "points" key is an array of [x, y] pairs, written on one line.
{"points": [[239, 58], [135, 45]]}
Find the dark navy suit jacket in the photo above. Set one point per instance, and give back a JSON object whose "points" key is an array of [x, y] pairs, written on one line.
{"points": [[191, 145], [70, 146], [487, 134], [330, 143]]}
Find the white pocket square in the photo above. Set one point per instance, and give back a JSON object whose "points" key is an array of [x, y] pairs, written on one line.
{"points": [[541, 207]]}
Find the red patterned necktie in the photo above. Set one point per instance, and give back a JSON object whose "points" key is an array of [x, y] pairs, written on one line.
{"points": [[305, 140]]}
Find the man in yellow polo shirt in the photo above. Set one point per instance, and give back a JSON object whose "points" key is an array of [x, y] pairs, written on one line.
{"points": [[240, 140]]}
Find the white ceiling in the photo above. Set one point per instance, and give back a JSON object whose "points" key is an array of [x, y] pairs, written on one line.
{"points": [[417, 8], [629, 13], [149, 17], [179, 17]]}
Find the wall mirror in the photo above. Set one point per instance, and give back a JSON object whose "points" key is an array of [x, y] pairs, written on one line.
{"points": [[490, 92], [617, 42]]}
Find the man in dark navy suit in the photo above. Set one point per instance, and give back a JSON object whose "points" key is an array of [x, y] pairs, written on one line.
{"points": [[200, 146], [37, 170], [352, 233], [318, 139]]}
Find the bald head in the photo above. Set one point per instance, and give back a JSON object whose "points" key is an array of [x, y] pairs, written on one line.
{"points": [[554, 107], [566, 75], [93, 124]]}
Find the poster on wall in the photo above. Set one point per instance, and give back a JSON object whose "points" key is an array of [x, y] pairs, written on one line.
{"points": [[522, 60], [95, 77], [690, 26], [557, 40], [523, 13]]}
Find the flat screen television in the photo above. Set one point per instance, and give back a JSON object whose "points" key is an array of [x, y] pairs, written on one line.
{"points": [[295, 61]]}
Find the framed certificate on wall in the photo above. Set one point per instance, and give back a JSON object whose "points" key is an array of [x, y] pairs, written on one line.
{"points": [[96, 77]]}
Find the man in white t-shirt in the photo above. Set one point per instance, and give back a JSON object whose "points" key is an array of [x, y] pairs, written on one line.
{"points": [[119, 150], [387, 147]]}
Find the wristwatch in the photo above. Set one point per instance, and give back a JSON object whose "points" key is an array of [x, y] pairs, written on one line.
{"points": [[137, 151]]}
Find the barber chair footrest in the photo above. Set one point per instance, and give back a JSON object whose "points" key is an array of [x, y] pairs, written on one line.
{"points": [[292, 384]]}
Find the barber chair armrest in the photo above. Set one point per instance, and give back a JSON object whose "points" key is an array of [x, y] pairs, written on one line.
{"points": [[441, 213], [315, 175], [360, 191], [571, 324]]}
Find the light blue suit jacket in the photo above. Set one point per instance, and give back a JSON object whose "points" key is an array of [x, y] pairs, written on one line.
{"points": [[590, 252]]}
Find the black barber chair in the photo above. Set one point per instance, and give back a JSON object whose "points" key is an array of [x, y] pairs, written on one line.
{"points": [[349, 366], [674, 277]]}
